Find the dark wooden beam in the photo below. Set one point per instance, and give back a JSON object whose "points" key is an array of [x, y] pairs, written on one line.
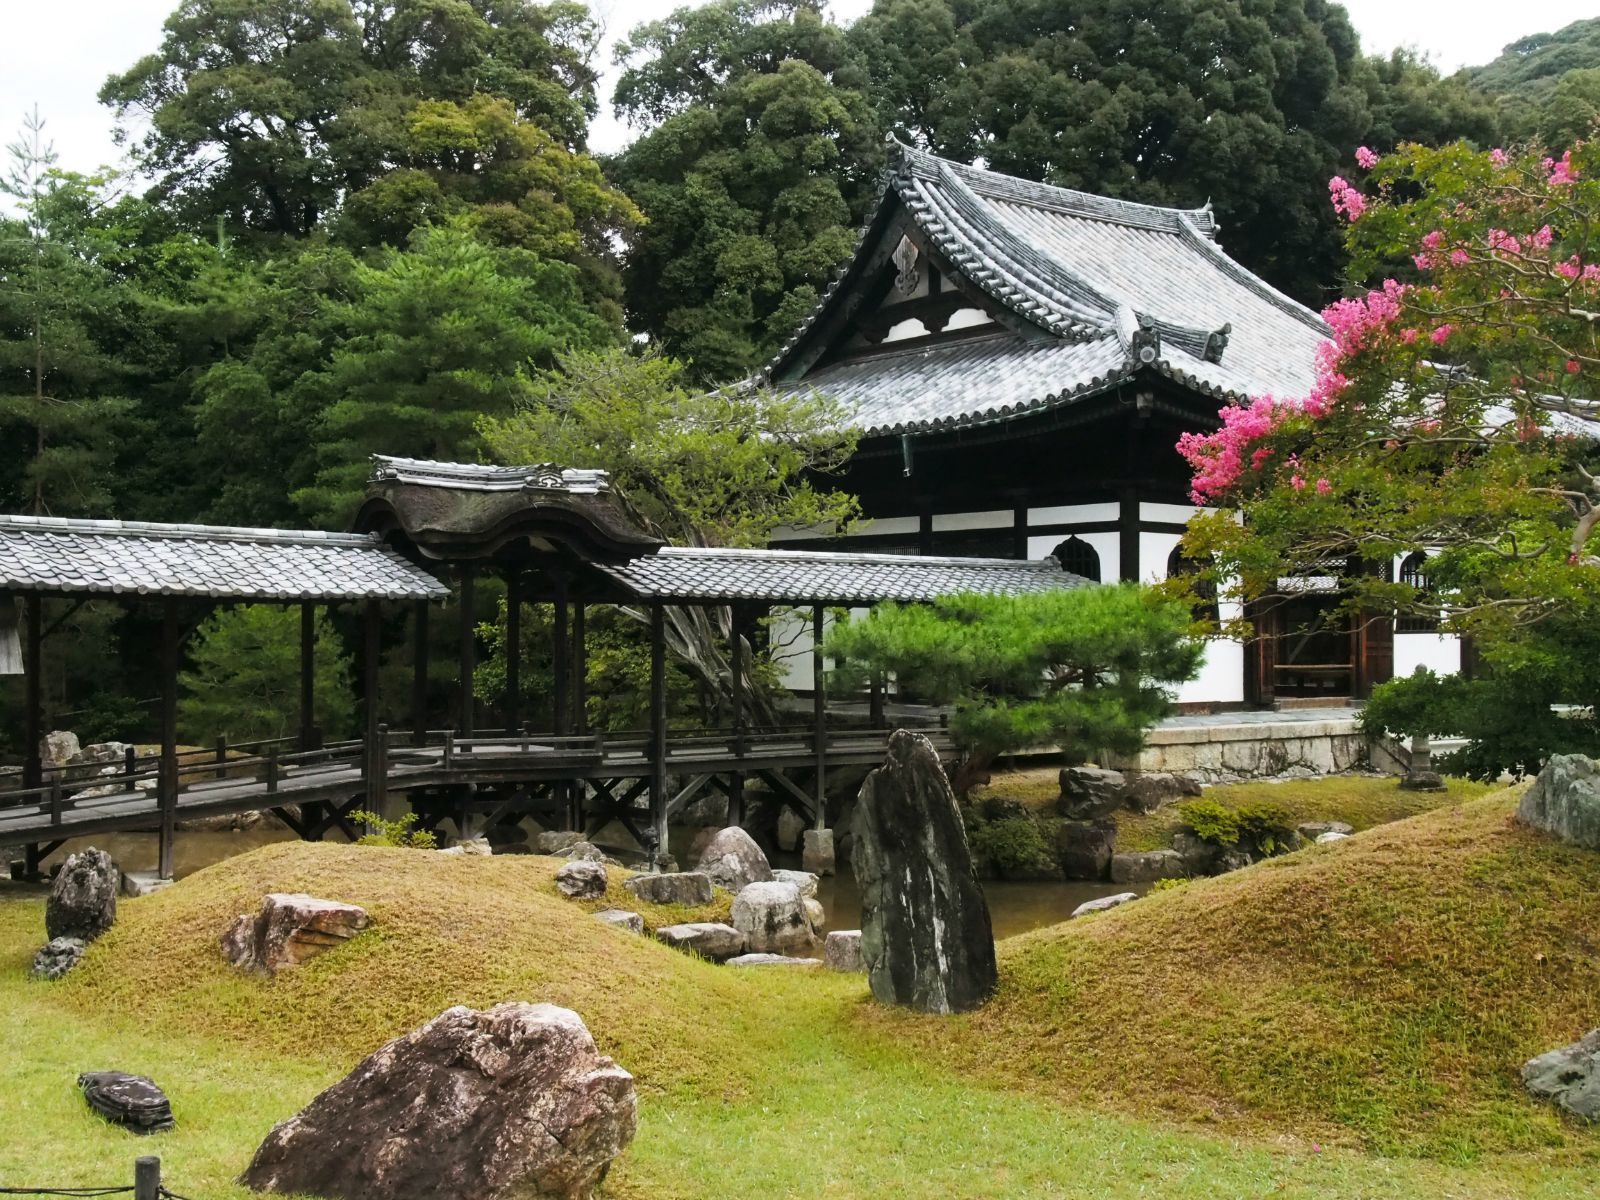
{"points": [[419, 671], [513, 651], [468, 656], [371, 652], [561, 659], [1128, 537], [658, 730], [33, 669], [819, 717], [1019, 531], [308, 674], [580, 668], [167, 776], [736, 672]]}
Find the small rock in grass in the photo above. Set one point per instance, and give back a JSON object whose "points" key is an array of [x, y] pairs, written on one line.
{"points": [[842, 950], [132, 1101], [142, 883], [1312, 830], [708, 939], [1102, 904], [1333, 835], [582, 880], [772, 916], [58, 957], [290, 928], [622, 919], [1570, 1077], [474, 847], [772, 960], [679, 887], [583, 852]]}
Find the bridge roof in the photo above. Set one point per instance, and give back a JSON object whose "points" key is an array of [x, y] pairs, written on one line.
{"points": [[699, 575], [63, 555]]}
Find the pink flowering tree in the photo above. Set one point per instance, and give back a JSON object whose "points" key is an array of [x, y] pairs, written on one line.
{"points": [[1455, 406]]}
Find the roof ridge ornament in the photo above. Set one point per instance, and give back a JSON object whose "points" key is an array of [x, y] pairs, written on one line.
{"points": [[1217, 343], [1144, 347]]}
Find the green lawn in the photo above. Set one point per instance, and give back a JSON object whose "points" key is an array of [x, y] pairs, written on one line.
{"points": [[760, 1083]]}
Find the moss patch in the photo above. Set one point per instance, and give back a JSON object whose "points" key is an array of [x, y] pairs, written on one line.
{"points": [[1383, 990]]}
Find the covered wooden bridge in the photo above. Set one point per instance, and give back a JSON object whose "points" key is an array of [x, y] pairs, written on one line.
{"points": [[427, 529]]}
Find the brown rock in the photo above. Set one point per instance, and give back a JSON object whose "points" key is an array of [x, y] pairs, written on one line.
{"points": [[514, 1101], [290, 928]]}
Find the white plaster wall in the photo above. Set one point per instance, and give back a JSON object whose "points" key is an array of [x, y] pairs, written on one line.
{"points": [[1066, 514], [889, 525], [1221, 677], [1105, 545], [1170, 513], [1438, 652], [995, 518]]}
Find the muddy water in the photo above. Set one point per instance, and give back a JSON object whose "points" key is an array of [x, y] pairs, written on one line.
{"points": [[1013, 907]]}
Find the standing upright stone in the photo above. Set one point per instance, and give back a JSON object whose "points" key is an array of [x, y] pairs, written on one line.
{"points": [[733, 860], [83, 899], [1565, 800], [925, 931]]}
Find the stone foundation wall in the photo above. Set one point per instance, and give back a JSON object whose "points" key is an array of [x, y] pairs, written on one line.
{"points": [[1229, 753]]}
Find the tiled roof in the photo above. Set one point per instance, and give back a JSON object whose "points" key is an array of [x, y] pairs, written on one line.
{"points": [[693, 574], [1097, 279], [63, 555], [483, 478]]}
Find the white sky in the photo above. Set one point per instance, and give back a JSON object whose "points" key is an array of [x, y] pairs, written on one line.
{"points": [[57, 54]]}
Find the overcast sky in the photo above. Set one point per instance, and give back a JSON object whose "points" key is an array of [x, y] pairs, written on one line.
{"points": [[58, 54]]}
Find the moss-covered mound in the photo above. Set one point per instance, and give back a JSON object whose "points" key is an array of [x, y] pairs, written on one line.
{"points": [[446, 930], [1385, 989]]}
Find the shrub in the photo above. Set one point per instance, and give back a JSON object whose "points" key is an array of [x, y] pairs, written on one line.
{"points": [[1013, 847], [402, 833], [1259, 825]]}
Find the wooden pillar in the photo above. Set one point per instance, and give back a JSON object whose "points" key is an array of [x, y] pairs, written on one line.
{"points": [[819, 720], [736, 671], [468, 658], [419, 672], [875, 702], [1128, 537], [167, 775], [371, 649], [308, 674], [33, 673], [658, 730], [580, 668], [513, 697], [561, 664], [1019, 530]]}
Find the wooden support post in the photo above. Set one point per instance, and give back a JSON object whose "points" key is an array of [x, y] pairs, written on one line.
{"points": [[513, 697], [371, 651], [167, 776], [468, 654], [146, 1178], [272, 768], [658, 731], [580, 668], [819, 719], [378, 771], [875, 702], [561, 665], [308, 674], [33, 669], [221, 753], [1128, 537], [736, 673], [419, 672]]}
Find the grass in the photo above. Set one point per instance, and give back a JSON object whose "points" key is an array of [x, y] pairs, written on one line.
{"points": [[1361, 801], [1380, 992], [796, 1084]]}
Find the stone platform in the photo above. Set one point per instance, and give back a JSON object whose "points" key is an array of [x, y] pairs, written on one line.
{"points": [[1228, 747]]}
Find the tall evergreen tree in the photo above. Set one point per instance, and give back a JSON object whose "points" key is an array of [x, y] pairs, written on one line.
{"points": [[758, 161]]}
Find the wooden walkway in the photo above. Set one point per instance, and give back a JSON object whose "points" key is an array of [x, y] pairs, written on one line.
{"points": [[576, 782]]}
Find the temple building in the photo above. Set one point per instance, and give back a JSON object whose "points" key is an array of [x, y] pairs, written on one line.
{"points": [[1021, 360]]}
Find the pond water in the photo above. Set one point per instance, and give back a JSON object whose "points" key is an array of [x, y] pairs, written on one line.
{"points": [[1014, 907]]}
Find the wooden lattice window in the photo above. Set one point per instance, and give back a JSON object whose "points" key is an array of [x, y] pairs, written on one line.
{"points": [[1077, 557], [1180, 564], [1414, 574]]}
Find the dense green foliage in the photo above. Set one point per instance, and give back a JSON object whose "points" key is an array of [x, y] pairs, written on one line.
{"points": [[243, 680], [1086, 670], [1547, 85], [759, 166], [1261, 827]]}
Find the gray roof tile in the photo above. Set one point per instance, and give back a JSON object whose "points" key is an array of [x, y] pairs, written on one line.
{"points": [[829, 577], [58, 554]]}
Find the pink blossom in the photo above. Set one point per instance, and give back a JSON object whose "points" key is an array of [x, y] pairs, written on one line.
{"points": [[1347, 202], [1498, 157], [1323, 487], [1424, 262], [1365, 158], [1543, 238], [1573, 366], [1433, 240], [1592, 271], [1499, 239], [1569, 269], [1459, 258], [1408, 336], [1561, 173], [1442, 334]]}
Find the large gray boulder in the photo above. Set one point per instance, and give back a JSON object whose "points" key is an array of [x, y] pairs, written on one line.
{"points": [[57, 747], [514, 1101], [926, 936], [1570, 1076], [732, 859], [673, 887], [1565, 800], [1084, 848], [289, 929], [842, 950], [1151, 791], [1146, 866], [773, 918], [1088, 793], [83, 898], [582, 880]]}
